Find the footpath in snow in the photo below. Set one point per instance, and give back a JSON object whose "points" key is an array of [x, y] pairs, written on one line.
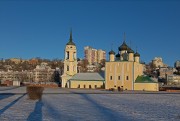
{"points": [[88, 105]]}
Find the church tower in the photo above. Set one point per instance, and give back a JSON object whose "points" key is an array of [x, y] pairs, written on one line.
{"points": [[70, 62]]}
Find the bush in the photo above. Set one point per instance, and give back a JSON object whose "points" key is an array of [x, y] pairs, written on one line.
{"points": [[34, 92]]}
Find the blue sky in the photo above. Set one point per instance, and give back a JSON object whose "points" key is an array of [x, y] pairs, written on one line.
{"points": [[41, 28]]}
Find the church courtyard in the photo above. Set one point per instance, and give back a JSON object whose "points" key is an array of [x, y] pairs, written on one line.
{"points": [[59, 104]]}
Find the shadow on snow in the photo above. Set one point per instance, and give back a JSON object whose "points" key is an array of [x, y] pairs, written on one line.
{"points": [[10, 104]]}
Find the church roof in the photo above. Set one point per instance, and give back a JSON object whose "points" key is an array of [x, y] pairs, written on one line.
{"points": [[88, 77], [123, 46], [70, 40], [112, 52], [130, 50], [136, 54], [144, 79], [117, 55]]}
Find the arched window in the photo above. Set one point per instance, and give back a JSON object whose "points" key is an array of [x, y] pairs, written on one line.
{"points": [[67, 55], [67, 68]]}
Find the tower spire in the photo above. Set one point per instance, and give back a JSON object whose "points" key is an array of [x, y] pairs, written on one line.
{"points": [[124, 36], [70, 38]]}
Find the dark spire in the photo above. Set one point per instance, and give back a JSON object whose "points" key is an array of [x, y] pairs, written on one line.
{"points": [[124, 45], [136, 54], [70, 39], [112, 52], [124, 37]]}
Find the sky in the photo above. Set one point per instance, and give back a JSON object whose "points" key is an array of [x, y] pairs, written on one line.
{"points": [[37, 28]]}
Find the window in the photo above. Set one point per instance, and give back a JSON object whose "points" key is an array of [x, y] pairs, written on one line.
{"points": [[74, 55], [67, 68], [119, 78], [127, 78], [67, 55], [95, 86], [110, 77]]}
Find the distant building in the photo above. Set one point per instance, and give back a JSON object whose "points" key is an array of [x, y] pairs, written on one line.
{"points": [[43, 73], [177, 64], [173, 80], [165, 71], [158, 62], [16, 60], [94, 55], [33, 61]]}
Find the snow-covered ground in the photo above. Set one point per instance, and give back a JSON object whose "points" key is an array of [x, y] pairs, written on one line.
{"points": [[88, 105]]}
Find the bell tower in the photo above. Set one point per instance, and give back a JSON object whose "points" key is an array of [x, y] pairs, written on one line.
{"points": [[70, 62]]}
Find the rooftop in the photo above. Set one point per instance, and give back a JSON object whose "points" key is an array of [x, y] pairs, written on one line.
{"points": [[88, 76]]}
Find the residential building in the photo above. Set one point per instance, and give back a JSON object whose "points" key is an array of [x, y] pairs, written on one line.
{"points": [[94, 55], [158, 62], [177, 64], [42, 73], [16, 60], [173, 79], [165, 71]]}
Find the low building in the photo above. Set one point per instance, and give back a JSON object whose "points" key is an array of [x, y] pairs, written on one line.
{"points": [[16, 83], [173, 80], [146, 83], [87, 81]]}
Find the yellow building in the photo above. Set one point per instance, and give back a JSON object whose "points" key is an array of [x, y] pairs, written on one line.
{"points": [[123, 71], [87, 81], [72, 79], [70, 62]]}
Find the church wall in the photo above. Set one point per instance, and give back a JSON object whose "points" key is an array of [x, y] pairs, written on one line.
{"points": [[146, 86], [118, 74], [86, 84]]}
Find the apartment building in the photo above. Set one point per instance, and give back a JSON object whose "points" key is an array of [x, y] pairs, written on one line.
{"points": [[94, 55]]}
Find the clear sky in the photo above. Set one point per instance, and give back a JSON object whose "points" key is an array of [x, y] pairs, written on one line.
{"points": [[41, 28]]}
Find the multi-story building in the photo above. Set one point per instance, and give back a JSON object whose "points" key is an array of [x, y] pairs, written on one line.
{"points": [[173, 80], [94, 55], [158, 62], [165, 71], [42, 73], [177, 64], [101, 54]]}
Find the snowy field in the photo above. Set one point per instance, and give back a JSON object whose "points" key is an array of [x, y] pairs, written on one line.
{"points": [[88, 105]]}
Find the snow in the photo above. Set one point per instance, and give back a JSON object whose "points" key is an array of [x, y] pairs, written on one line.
{"points": [[88, 105]]}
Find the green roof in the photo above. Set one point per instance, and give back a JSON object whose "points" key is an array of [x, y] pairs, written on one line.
{"points": [[144, 79]]}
